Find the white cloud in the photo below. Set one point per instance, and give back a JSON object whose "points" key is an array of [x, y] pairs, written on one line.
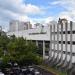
{"points": [[66, 15], [48, 19], [23, 18], [56, 2], [16, 9], [32, 8], [18, 6], [69, 6], [43, 21]]}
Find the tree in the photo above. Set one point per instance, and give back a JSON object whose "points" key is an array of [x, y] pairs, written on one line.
{"points": [[18, 50], [3, 41], [1, 52]]}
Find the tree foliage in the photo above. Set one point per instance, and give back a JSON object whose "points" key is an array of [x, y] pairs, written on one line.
{"points": [[18, 50]]}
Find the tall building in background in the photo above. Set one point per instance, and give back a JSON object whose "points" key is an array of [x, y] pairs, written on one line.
{"points": [[16, 25], [0, 28], [37, 25], [2, 32]]}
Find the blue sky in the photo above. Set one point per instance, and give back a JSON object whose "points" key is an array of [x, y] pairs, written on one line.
{"points": [[45, 5], [34, 11]]}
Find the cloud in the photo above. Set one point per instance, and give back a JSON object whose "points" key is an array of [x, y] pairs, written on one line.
{"points": [[48, 19], [67, 15], [19, 10], [16, 9], [69, 8], [18, 6], [43, 21], [32, 9]]}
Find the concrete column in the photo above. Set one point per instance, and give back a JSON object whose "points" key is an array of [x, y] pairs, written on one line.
{"points": [[43, 49], [50, 50], [36, 43], [66, 37], [61, 42], [57, 43], [54, 41], [70, 64]]}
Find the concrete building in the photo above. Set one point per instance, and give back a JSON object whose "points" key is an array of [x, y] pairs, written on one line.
{"points": [[57, 38], [0, 28], [1, 31], [16, 25]]}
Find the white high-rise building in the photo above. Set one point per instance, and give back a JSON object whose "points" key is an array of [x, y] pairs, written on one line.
{"points": [[16, 25], [0, 28]]}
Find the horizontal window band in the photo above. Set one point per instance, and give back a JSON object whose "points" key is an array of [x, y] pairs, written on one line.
{"points": [[64, 52], [68, 42], [68, 32]]}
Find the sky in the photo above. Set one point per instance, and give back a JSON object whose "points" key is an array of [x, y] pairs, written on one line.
{"points": [[34, 11]]}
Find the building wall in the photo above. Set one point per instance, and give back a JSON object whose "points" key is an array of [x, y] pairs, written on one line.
{"points": [[36, 34], [13, 25], [33, 34], [63, 46], [16, 25], [0, 28]]}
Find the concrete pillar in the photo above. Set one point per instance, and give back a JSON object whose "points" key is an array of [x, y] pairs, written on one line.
{"points": [[57, 43], [70, 64], [43, 49], [66, 51], [54, 41], [36, 43], [50, 50], [61, 42]]}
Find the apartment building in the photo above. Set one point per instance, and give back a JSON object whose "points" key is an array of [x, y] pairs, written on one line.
{"points": [[16, 25]]}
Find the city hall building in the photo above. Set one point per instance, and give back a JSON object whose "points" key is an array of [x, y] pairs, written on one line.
{"points": [[57, 40]]}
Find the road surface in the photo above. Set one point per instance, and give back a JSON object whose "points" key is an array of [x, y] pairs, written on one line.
{"points": [[44, 72]]}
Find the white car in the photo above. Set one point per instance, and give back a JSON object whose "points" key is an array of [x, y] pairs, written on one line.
{"points": [[31, 68], [1, 73], [37, 72]]}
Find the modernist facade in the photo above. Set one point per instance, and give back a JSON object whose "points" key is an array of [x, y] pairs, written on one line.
{"points": [[58, 39]]}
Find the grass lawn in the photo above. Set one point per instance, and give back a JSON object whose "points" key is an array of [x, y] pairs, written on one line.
{"points": [[51, 69]]}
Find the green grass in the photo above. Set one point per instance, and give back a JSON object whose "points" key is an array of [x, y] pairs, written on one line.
{"points": [[53, 70]]}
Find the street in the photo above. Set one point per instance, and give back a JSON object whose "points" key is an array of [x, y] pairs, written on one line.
{"points": [[27, 70], [44, 72]]}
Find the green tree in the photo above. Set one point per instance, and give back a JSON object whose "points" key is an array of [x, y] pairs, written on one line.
{"points": [[3, 42], [19, 50], [1, 52]]}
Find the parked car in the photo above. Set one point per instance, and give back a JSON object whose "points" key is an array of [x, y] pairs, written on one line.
{"points": [[1, 73], [31, 68], [37, 72]]}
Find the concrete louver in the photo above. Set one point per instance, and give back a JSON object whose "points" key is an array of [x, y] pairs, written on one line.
{"points": [[53, 42], [50, 51], [65, 63], [61, 59], [70, 66], [57, 57], [61, 51]]}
